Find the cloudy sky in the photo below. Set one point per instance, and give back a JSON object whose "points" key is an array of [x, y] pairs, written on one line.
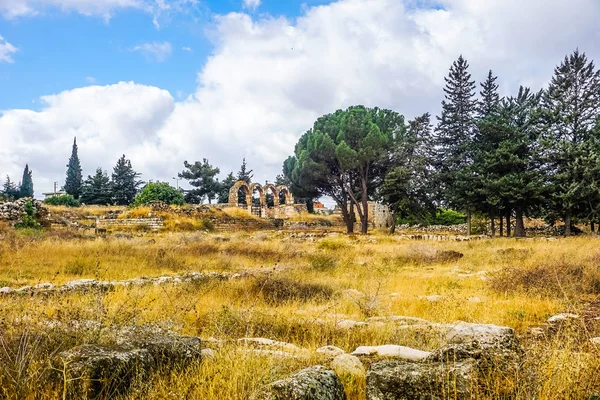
{"points": [[164, 81]]}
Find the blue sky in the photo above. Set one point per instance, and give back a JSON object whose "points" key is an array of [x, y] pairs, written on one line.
{"points": [[63, 50], [163, 81]]}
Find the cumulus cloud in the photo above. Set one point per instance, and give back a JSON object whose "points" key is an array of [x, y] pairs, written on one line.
{"points": [[269, 78], [252, 4], [158, 51], [6, 51]]}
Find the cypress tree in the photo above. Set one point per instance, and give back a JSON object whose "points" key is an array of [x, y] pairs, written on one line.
{"points": [[572, 106], [26, 189], [490, 99], [454, 138], [125, 182], [74, 177]]}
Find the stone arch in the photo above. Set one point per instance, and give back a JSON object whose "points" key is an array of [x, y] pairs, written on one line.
{"points": [[289, 199], [261, 193], [275, 192], [233, 193]]}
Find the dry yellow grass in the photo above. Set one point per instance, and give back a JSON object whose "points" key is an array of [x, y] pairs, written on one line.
{"points": [[393, 274]]}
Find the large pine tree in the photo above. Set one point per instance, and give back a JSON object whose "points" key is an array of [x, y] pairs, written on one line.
{"points": [[490, 99], [74, 174], [454, 138], [201, 175], [10, 191], [97, 189], [26, 189], [572, 106], [125, 182]]}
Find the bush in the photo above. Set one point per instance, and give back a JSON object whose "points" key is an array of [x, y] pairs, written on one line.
{"points": [[448, 217], [62, 200], [281, 290], [28, 221], [158, 191]]}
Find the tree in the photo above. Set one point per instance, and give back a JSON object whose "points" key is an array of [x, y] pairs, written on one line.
{"points": [[97, 189], [158, 191], [26, 189], [10, 190], [490, 99], [454, 139], [201, 175], [345, 156], [74, 174], [406, 188], [246, 175], [572, 106], [125, 182], [302, 194], [225, 185]]}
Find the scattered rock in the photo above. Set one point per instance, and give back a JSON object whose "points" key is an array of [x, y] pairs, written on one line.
{"points": [[6, 290], [330, 351], [314, 383], [346, 364], [349, 324], [434, 298], [595, 341], [263, 342], [392, 350], [562, 317], [475, 299], [388, 380]]}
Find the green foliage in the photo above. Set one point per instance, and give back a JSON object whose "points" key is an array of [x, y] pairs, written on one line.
{"points": [[26, 189], [225, 185], [97, 189], [244, 174], [29, 220], [73, 183], [448, 217], [10, 191], [124, 182], [63, 200], [201, 175], [158, 191]]}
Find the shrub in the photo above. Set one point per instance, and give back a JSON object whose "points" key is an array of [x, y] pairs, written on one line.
{"points": [[448, 217], [63, 200], [158, 191], [322, 262], [281, 290], [28, 220], [331, 245]]}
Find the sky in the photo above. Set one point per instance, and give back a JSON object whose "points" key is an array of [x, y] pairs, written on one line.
{"points": [[163, 81]]}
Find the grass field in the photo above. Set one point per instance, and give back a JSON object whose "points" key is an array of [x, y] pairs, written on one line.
{"points": [[296, 290]]}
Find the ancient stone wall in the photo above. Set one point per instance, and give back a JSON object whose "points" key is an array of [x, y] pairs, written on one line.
{"points": [[12, 211], [152, 223]]}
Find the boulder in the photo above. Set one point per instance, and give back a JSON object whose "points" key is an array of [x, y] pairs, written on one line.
{"points": [[405, 380], [314, 383], [496, 339], [392, 350], [346, 364], [330, 351], [562, 317]]}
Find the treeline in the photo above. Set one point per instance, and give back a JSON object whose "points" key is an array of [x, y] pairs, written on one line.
{"points": [[12, 191], [535, 153]]}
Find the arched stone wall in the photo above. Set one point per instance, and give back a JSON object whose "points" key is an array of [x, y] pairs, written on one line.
{"points": [[274, 191], [261, 193], [233, 193], [289, 199]]}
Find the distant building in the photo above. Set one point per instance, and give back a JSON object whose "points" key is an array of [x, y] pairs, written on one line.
{"points": [[52, 194]]}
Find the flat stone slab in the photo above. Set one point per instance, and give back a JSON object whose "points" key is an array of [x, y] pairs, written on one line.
{"points": [[392, 350]]}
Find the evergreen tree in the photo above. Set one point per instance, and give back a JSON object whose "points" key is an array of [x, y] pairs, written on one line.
{"points": [[125, 182], [26, 189], [246, 175], [74, 178], [10, 191], [201, 175], [225, 185], [454, 138], [572, 106], [97, 189], [490, 99]]}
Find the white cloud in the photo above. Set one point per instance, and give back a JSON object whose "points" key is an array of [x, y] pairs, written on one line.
{"points": [[269, 78], [188, 49], [6, 51], [158, 51], [252, 4]]}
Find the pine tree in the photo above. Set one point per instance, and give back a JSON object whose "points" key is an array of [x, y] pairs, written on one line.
{"points": [[97, 189], [490, 99], [10, 191], [201, 175], [572, 106], [125, 182], [454, 138], [225, 185], [244, 174], [26, 189], [74, 177]]}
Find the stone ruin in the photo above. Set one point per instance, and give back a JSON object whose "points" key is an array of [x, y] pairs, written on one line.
{"points": [[13, 211], [278, 211]]}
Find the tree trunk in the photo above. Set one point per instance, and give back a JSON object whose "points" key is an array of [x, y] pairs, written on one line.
{"points": [[568, 224], [592, 226], [393, 227], [501, 226], [493, 224], [468, 222], [352, 218], [348, 217], [365, 207], [520, 225], [508, 224]]}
